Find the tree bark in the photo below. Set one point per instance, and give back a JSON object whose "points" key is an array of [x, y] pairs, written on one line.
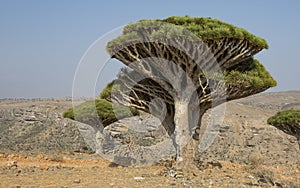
{"points": [[181, 133]]}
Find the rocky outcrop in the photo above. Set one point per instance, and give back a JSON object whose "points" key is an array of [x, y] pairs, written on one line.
{"points": [[138, 141], [36, 126]]}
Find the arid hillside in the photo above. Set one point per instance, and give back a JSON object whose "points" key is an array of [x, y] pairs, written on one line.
{"points": [[39, 148]]}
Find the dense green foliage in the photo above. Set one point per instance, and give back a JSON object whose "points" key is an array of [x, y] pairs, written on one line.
{"points": [[204, 28], [287, 117], [256, 77], [208, 28], [102, 110]]}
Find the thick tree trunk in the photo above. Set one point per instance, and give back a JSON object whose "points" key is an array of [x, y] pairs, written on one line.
{"points": [[181, 133], [185, 145]]}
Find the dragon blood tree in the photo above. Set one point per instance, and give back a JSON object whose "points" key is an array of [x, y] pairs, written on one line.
{"points": [[180, 67], [287, 121]]}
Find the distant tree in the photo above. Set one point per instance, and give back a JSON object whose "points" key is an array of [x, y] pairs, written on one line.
{"points": [[287, 121], [189, 84]]}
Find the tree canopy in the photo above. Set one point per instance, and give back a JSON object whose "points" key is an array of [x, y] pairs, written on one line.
{"points": [[232, 47], [206, 29], [288, 121], [99, 111]]}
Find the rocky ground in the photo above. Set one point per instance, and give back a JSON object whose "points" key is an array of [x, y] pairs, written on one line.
{"points": [[39, 148], [36, 126]]}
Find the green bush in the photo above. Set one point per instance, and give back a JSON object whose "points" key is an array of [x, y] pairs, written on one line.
{"points": [[91, 112], [287, 117]]}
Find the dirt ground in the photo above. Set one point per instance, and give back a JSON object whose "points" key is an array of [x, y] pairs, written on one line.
{"points": [[84, 170]]}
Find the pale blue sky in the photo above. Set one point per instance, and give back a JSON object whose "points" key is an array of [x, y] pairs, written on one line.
{"points": [[42, 42]]}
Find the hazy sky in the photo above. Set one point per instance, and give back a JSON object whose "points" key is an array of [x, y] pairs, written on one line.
{"points": [[42, 42]]}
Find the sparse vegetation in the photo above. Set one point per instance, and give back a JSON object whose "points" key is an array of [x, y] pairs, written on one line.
{"points": [[64, 158]]}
